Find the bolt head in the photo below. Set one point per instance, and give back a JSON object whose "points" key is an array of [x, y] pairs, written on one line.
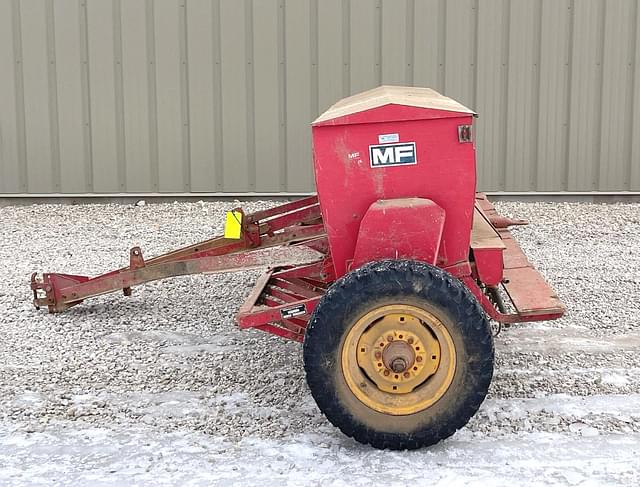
{"points": [[407, 375], [389, 338], [378, 355], [386, 372], [418, 359], [410, 341], [398, 365]]}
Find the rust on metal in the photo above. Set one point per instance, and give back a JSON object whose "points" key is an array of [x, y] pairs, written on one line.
{"points": [[291, 224]]}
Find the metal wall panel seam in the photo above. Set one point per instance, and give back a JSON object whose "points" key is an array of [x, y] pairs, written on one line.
{"points": [[297, 26], [53, 97], [313, 55], [9, 167], [168, 68], [378, 41], [598, 151], [535, 125], [569, 64], [217, 96], [135, 95], [282, 111], [119, 95], [442, 44], [102, 80], [346, 47], [505, 50], [474, 61], [634, 19], [330, 52], [615, 88], [489, 90], [250, 87], [393, 33], [152, 94], [19, 87], [266, 97], [234, 100], [409, 41], [553, 76], [86, 96], [184, 96], [521, 72], [634, 169]]}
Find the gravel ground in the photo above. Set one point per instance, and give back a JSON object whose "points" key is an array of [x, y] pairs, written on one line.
{"points": [[162, 386]]}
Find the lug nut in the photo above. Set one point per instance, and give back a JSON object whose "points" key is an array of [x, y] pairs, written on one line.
{"points": [[407, 375], [386, 372], [378, 355], [389, 338], [410, 341], [418, 359]]}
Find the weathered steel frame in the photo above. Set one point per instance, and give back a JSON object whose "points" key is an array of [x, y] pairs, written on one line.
{"points": [[290, 223], [282, 289], [288, 283]]}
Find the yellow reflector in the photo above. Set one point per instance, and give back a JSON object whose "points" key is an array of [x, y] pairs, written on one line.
{"points": [[233, 226]]}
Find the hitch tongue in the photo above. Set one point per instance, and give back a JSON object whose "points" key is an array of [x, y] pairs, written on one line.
{"points": [[37, 284], [54, 286]]}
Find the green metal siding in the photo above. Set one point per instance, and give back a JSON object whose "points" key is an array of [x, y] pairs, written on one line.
{"points": [[212, 96]]}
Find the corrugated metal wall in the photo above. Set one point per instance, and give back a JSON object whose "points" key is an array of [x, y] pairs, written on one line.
{"points": [[113, 96]]}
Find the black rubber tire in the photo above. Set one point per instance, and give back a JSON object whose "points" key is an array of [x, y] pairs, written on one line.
{"points": [[398, 282]]}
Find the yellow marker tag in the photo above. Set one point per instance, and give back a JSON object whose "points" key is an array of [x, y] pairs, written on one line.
{"points": [[233, 226]]}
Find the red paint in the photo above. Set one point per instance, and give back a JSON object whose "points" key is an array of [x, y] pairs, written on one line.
{"points": [[489, 265], [408, 228], [348, 186]]}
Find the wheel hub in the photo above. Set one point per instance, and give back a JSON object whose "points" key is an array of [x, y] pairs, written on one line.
{"points": [[398, 356], [398, 353], [403, 359]]}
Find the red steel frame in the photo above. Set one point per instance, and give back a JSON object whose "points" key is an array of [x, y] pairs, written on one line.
{"points": [[289, 224], [290, 240], [279, 290]]}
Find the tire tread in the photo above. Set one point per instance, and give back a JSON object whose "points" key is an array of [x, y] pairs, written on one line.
{"points": [[438, 285]]}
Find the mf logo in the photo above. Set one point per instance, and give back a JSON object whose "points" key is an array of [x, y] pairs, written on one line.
{"points": [[392, 154]]}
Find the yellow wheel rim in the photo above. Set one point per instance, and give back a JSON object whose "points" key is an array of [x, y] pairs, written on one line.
{"points": [[398, 359]]}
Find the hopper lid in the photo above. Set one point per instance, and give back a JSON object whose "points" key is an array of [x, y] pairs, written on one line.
{"points": [[402, 96]]}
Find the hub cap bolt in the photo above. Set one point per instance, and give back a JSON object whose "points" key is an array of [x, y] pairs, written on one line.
{"points": [[398, 365]]}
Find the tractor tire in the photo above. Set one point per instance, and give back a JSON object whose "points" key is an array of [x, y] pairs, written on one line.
{"points": [[398, 354]]}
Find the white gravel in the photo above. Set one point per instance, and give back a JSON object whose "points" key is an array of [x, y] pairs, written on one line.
{"points": [[163, 388]]}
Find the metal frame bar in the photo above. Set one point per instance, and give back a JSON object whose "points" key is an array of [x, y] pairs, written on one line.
{"points": [[290, 223]]}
